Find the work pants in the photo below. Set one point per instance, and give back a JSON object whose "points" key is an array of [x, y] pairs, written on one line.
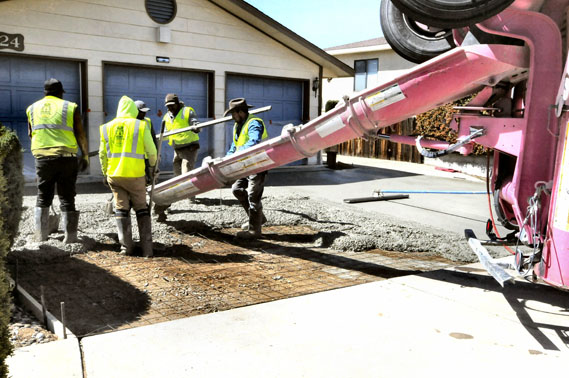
{"points": [[60, 172], [127, 190], [185, 158], [249, 190]]}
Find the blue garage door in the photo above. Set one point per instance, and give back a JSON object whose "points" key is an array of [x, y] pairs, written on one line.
{"points": [[151, 86], [285, 97], [21, 84]]}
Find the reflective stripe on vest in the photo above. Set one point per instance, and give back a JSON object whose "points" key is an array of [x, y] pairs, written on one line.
{"points": [[181, 121], [244, 135], [118, 168], [51, 121]]}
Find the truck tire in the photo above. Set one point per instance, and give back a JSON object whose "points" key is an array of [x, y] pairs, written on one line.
{"points": [[451, 13], [413, 41]]}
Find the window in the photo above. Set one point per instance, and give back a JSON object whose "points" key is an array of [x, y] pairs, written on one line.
{"points": [[366, 73], [161, 11]]}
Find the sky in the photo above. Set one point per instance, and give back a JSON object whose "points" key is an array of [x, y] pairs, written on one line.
{"points": [[325, 23]]}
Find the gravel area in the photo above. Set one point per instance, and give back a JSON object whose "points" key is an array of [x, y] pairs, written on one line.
{"points": [[337, 227]]}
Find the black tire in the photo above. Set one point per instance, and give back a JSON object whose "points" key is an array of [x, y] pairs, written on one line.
{"points": [[451, 13], [410, 40], [508, 224]]}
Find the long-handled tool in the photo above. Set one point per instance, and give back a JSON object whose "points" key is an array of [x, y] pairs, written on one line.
{"points": [[156, 170], [197, 127]]}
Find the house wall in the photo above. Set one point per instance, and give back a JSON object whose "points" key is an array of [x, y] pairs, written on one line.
{"points": [[203, 37], [390, 66]]}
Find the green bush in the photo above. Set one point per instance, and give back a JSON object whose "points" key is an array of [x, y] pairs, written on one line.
{"points": [[11, 192], [435, 124], [330, 104]]}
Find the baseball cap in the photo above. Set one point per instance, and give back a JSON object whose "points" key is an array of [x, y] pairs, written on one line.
{"points": [[171, 99], [53, 85], [141, 106]]}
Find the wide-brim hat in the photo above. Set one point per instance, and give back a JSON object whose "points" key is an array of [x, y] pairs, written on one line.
{"points": [[237, 104]]}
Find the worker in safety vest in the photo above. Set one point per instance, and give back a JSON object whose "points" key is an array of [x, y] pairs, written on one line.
{"points": [[142, 110], [186, 144], [56, 131], [125, 142], [248, 131]]}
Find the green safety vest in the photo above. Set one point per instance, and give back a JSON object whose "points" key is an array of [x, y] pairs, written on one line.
{"points": [[51, 119], [244, 135], [182, 120], [124, 141]]}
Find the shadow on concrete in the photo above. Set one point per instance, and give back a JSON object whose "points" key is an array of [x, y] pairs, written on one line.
{"points": [[270, 244], [517, 295], [325, 176], [98, 301]]}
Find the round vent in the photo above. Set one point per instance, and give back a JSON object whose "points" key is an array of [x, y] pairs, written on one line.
{"points": [[161, 11]]}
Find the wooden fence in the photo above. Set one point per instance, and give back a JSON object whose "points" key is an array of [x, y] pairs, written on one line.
{"points": [[384, 149]]}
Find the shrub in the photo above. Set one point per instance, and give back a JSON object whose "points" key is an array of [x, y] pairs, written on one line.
{"points": [[11, 192], [435, 124], [330, 104]]}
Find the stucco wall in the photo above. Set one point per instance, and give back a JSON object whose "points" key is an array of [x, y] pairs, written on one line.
{"points": [[390, 66], [203, 37]]}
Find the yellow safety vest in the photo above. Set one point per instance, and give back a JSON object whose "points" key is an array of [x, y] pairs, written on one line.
{"points": [[181, 121], [244, 135], [51, 119], [124, 141]]}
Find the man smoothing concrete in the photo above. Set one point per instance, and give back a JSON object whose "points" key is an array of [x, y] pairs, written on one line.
{"points": [[186, 144], [56, 131], [248, 131], [125, 142]]}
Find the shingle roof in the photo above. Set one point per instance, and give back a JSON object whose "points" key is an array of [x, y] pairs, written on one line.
{"points": [[366, 43]]}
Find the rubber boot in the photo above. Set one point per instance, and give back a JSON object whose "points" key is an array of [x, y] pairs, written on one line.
{"points": [[245, 226], [42, 223], [145, 233], [70, 223], [125, 234], [254, 231], [160, 211]]}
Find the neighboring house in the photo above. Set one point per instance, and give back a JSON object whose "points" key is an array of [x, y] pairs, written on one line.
{"points": [[373, 61], [206, 51]]}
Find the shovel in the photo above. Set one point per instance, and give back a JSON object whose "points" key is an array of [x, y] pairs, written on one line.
{"points": [[109, 207]]}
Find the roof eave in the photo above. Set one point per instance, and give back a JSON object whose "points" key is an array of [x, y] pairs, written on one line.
{"points": [[332, 67]]}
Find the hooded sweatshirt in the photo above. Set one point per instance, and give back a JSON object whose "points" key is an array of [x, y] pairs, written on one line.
{"points": [[127, 110]]}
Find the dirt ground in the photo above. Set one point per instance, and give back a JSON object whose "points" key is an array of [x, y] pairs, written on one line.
{"points": [[197, 269]]}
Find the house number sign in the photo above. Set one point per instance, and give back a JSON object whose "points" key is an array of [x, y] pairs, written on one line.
{"points": [[11, 41]]}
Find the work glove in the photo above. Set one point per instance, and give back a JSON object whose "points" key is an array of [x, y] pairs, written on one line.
{"points": [[83, 163], [105, 182], [194, 129]]}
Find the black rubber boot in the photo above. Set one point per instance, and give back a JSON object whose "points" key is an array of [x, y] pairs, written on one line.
{"points": [[254, 231], [245, 226], [145, 233], [125, 234], [41, 223], [70, 224]]}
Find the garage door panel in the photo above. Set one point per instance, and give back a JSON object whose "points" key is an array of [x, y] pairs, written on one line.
{"points": [[273, 89], [193, 83], [115, 78], [142, 80], [5, 69], [30, 73], [171, 81], [6, 103], [293, 90]]}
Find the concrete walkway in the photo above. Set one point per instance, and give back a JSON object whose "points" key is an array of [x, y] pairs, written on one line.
{"points": [[448, 323]]}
